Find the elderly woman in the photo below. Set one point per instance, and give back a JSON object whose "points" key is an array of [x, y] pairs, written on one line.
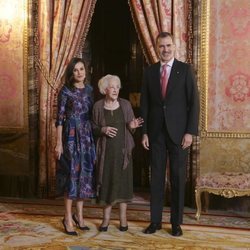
{"points": [[113, 124]]}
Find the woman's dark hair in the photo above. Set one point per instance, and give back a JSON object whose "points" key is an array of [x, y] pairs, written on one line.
{"points": [[69, 79]]}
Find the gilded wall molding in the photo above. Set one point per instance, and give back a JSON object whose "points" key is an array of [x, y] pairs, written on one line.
{"points": [[203, 71], [203, 67], [25, 63]]}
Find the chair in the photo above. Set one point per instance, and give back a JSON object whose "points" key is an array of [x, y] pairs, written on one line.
{"points": [[226, 184]]}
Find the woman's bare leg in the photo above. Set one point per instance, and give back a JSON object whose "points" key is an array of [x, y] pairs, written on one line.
{"points": [[106, 215], [68, 214], [79, 212], [123, 214]]}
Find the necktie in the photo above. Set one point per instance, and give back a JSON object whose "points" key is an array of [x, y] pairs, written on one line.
{"points": [[164, 80]]}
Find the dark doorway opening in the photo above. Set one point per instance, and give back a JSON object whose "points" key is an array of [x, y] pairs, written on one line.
{"points": [[114, 48]]}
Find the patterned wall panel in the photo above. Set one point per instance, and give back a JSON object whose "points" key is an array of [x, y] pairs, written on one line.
{"points": [[13, 65], [225, 76], [224, 81], [225, 155]]}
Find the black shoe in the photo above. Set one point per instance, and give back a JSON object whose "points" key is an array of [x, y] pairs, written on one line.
{"points": [[123, 229], [78, 224], [103, 229], [176, 230], [66, 231], [152, 228]]}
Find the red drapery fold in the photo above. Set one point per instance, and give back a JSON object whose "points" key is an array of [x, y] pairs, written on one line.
{"points": [[153, 16], [62, 25]]}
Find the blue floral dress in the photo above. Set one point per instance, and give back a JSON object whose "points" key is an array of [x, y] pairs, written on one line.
{"points": [[75, 169]]}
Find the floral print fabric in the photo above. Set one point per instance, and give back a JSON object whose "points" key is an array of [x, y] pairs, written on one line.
{"points": [[75, 169]]}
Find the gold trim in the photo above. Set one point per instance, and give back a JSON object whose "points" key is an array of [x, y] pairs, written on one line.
{"points": [[25, 64], [231, 134], [203, 68], [190, 32], [225, 192], [203, 76]]}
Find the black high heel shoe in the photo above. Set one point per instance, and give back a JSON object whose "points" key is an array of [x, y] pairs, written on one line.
{"points": [[74, 233], [103, 229], [78, 224], [123, 229]]}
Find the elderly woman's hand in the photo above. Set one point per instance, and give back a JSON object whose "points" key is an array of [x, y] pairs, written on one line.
{"points": [[136, 122], [109, 131]]}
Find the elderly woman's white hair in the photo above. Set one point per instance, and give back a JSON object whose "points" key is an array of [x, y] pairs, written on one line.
{"points": [[104, 82]]}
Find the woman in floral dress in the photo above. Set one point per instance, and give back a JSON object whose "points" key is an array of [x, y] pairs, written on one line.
{"points": [[75, 148]]}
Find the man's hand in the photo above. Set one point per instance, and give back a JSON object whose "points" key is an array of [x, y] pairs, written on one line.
{"points": [[145, 141], [187, 141]]}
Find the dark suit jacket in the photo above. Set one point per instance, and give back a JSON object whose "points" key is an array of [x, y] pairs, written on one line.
{"points": [[179, 110]]}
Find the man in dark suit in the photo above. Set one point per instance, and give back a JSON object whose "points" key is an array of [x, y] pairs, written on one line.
{"points": [[170, 109]]}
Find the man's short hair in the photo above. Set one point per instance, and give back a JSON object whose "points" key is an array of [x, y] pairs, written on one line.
{"points": [[163, 35]]}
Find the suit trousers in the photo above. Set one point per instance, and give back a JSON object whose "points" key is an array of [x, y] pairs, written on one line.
{"points": [[161, 148]]}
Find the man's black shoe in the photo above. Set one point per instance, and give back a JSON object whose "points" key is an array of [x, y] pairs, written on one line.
{"points": [[152, 228], [176, 230]]}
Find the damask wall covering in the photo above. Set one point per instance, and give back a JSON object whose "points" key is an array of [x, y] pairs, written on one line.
{"points": [[13, 65], [225, 89], [18, 100], [225, 67], [225, 78]]}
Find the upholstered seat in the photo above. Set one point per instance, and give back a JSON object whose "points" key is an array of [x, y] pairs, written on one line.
{"points": [[227, 184]]}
